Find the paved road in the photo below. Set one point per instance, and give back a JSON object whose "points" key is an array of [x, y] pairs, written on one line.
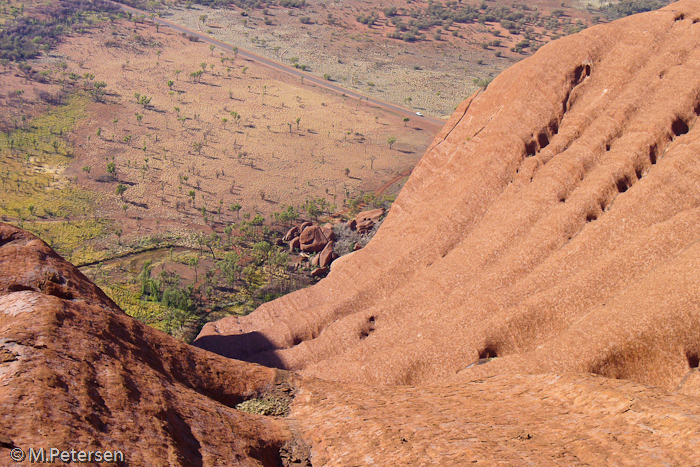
{"points": [[429, 121]]}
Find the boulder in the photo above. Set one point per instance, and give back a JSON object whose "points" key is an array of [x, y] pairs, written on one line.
{"points": [[365, 226], [291, 233], [294, 244], [326, 257], [312, 239], [329, 233], [303, 226], [374, 215], [319, 272]]}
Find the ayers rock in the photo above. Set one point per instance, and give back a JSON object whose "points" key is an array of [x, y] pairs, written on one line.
{"points": [[554, 223], [532, 298]]}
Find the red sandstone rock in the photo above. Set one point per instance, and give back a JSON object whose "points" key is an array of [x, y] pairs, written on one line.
{"points": [[329, 233], [327, 256], [365, 226], [374, 215], [78, 373], [291, 233], [303, 226], [314, 260], [294, 244], [319, 272], [312, 239], [553, 223]]}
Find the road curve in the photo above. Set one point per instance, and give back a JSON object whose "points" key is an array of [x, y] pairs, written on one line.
{"points": [[430, 121]]}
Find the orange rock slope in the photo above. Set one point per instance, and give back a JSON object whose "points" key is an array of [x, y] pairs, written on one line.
{"points": [[77, 373], [553, 224]]}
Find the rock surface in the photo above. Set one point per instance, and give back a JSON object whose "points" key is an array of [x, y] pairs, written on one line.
{"points": [[532, 298], [76, 372], [312, 239], [327, 255], [554, 223]]}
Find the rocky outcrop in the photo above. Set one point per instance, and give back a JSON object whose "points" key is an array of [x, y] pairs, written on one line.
{"points": [[554, 223], [312, 239], [78, 373], [532, 298]]}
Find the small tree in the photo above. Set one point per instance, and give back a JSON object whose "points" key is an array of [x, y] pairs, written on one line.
{"points": [[237, 209], [391, 140], [170, 84], [211, 48], [405, 121], [120, 190], [192, 195], [193, 262], [112, 169], [298, 120], [230, 266]]}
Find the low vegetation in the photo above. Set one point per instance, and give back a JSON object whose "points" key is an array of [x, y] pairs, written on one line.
{"points": [[24, 36]]}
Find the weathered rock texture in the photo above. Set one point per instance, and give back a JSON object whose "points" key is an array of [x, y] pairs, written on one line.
{"points": [[76, 372], [550, 232], [553, 223]]}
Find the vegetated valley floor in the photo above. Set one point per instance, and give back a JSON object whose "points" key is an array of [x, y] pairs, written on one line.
{"points": [[430, 63], [185, 142]]}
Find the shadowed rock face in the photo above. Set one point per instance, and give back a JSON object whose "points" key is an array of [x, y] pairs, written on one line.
{"points": [[76, 372], [553, 223]]}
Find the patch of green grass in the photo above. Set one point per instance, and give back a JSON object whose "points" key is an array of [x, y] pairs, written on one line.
{"points": [[36, 194], [274, 406], [151, 313], [72, 239]]}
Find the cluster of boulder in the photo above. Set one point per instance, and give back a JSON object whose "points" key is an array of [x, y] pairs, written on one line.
{"points": [[366, 220], [311, 238]]}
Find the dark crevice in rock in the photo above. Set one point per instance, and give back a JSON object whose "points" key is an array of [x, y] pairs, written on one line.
{"points": [[7, 356], [368, 329], [679, 127], [489, 351]]}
